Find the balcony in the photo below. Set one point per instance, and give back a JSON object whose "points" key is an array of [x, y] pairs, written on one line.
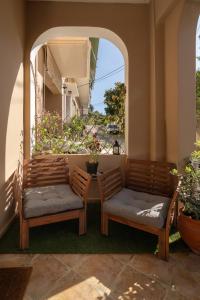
{"points": [[157, 40]]}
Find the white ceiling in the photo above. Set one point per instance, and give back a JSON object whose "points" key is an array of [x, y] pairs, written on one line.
{"points": [[71, 56], [100, 1]]}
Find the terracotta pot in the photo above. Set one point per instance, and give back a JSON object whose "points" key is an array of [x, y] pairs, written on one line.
{"points": [[190, 232]]}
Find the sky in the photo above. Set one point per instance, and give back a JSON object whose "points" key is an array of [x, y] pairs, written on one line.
{"points": [[109, 58]]}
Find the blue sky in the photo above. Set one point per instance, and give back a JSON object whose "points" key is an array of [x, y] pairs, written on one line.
{"points": [[109, 59]]}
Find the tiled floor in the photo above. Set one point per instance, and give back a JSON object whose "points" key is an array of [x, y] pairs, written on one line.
{"points": [[100, 277]]}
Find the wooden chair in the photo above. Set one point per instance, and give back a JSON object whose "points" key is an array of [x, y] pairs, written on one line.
{"points": [[144, 200], [47, 194]]}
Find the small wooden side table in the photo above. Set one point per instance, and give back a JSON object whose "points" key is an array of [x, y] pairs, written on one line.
{"points": [[94, 195]]}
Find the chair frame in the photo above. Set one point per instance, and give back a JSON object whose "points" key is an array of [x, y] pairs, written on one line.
{"points": [[44, 172], [143, 176]]}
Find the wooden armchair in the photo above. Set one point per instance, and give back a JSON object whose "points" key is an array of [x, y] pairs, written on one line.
{"points": [[144, 200], [47, 194]]}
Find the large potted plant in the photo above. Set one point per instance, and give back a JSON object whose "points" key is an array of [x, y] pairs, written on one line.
{"points": [[189, 196], [94, 149]]}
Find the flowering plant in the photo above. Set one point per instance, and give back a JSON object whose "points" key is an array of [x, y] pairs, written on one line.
{"points": [[93, 145]]}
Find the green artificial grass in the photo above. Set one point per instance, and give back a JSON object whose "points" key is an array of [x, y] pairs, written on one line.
{"points": [[63, 238]]}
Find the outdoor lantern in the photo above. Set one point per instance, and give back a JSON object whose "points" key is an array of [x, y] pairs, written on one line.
{"points": [[64, 88], [116, 148]]}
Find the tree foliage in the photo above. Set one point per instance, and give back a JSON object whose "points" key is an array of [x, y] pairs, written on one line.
{"points": [[198, 93], [114, 99]]}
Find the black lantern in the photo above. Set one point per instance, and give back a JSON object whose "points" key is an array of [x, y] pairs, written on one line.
{"points": [[64, 88], [116, 148]]}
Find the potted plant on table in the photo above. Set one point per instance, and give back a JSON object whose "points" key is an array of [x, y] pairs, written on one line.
{"points": [[189, 196], [94, 148]]}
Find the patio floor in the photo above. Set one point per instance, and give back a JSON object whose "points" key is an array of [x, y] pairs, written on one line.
{"points": [[100, 277]]}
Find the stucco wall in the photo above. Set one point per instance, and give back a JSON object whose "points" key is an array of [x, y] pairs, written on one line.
{"points": [[131, 24], [180, 105], [53, 102], [157, 99], [187, 78], [163, 7], [161, 65], [11, 97]]}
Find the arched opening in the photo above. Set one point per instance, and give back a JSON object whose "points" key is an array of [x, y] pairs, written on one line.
{"points": [[182, 126], [48, 43]]}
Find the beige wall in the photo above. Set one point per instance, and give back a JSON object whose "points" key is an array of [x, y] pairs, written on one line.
{"points": [[53, 102], [160, 124], [180, 105], [11, 97], [163, 7], [161, 80], [187, 78], [131, 24], [171, 82], [39, 70], [157, 100]]}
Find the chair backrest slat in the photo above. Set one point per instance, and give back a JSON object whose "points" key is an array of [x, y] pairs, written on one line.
{"points": [[80, 182], [110, 183], [150, 176], [46, 171]]}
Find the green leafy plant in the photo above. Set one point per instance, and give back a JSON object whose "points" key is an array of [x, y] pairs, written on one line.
{"points": [[114, 99], [195, 155], [189, 187], [49, 137], [53, 135], [198, 94]]}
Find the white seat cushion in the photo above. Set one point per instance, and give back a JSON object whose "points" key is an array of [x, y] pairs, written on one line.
{"points": [[39, 201], [139, 207]]}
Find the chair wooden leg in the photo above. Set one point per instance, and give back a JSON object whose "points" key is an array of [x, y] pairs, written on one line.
{"points": [[104, 224], [82, 223], [163, 244], [166, 245], [24, 235], [176, 209]]}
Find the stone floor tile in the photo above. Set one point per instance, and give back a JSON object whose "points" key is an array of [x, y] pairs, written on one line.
{"points": [[46, 270], [27, 297], [109, 277], [185, 282], [189, 260], [103, 267], [70, 260], [132, 285], [73, 287], [153, 266], [15, 260], [123, 258], [172, 295]]}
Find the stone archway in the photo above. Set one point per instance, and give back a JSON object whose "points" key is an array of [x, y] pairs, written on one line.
{"points": [[180, 34]]}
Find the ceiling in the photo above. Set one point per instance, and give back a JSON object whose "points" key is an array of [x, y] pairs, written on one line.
{"points": [[100, 1], [71, 56]]}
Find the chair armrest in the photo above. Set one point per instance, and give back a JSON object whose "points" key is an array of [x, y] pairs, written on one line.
{"points": [[171, 209], [110, 183], [80, 183]]}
